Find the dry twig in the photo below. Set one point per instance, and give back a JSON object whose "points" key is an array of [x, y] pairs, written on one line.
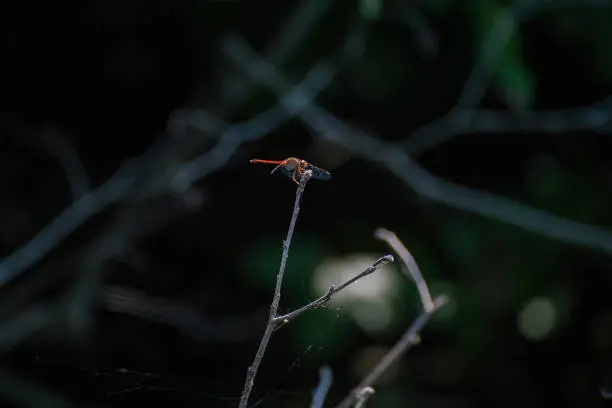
{"points": [[322, 301], [254, 367], [411, 336]]}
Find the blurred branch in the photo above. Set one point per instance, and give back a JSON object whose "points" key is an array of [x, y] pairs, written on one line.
{"points": [[184, 318], [324, 125], [427, 43], [25, 393], [320, 393], [121, 184], [15, 330], [410, 337], [51, 141], [115, 189], [254, 367], [314, 82], [596, 117], [69, 160], [498, 37], [295, 29], [462, 118], [413, 268], [322, 301]]}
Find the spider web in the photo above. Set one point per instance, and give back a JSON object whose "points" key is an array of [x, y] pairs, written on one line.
{"points": [[119, 386]]}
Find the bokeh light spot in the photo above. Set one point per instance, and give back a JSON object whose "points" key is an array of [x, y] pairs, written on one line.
{"points": [[537, 318]]}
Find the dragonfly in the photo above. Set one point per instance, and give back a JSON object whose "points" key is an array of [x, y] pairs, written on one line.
{"points": [[294, 168]]}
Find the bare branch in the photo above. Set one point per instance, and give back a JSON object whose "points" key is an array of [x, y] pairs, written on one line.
{"points": [[115, 189], [295, 29], [426, 40], [363, 396], [405, 343], [411, 337], [320, 393], [596, 117], [15, 330], [69, 161], [254, 367], [322, 301], [324, 125], [413, 268], [181, 316]]}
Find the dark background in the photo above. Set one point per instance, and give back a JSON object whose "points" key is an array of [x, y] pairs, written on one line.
{"points": [[158, 295]]}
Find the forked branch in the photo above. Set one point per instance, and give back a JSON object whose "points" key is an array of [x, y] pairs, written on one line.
{"points": [[322, 301], [254, 367], [411, 337]]}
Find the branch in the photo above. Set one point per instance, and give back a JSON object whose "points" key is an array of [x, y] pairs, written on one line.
{"points": [[69, 161], [115, 189], [362, 397], [426, 41], [413, 268], [594, 117], [411, 336], [326, 126], [184, 318], [25, 393], [234, 90], [254, 367], [322, 301], [458, 119], [320, 393], [405, 343], [15, 330]]}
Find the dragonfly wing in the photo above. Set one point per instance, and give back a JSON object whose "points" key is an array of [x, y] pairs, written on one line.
{"points": [[320, 174]]}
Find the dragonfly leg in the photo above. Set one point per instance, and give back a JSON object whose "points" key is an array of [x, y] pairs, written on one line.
{"points": [[293, 177]]}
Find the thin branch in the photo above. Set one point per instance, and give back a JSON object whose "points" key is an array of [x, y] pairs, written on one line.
{"points": [[413, 268], [15, 330], [411, 336], [596, 117], [296, 28], [254, 367], [425, 38], [363, 396], [181, 316], [322, 301], [320, 393], [115, 189], [68, 159], [405, 343], [326, 126]]}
